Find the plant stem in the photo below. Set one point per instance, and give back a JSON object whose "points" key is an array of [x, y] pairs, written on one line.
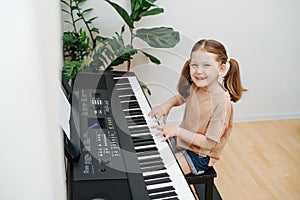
{"points": [[131, 42], [87, 26], [72, 16]]}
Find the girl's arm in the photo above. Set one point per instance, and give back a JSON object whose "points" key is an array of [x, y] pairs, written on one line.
{"points": [[189, 137], [196, 139], [164, 109]]}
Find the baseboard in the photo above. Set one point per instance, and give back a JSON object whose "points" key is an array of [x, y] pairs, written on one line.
{"points": [[266, 117]]}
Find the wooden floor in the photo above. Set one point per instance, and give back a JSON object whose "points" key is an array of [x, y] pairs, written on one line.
{"points": [[261, 161]]}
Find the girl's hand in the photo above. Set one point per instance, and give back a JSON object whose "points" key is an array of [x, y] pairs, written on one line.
{"points": [[159, 112], [167, 131]]}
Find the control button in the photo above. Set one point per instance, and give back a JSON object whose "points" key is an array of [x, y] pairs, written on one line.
{"points": [[102, 169], [105, 158]]}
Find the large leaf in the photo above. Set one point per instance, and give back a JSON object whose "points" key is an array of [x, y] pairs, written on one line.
{"points": [[125, 55], [147, 3], [122, 12], [113, 52], [159, 37], [152, 58], [153, 11]]}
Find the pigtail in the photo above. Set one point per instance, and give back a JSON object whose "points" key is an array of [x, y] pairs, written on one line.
{"points": [[185, 80], [232, 81]]}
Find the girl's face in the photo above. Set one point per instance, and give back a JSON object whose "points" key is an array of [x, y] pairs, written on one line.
{"points": [[204, 69]]}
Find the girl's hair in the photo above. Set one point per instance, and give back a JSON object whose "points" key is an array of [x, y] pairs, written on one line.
{"points": [[232, 79]]}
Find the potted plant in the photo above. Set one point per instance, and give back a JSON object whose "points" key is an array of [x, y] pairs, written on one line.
{"points": [[87, 48]]}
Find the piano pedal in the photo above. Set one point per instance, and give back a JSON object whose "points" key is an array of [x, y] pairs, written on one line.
{"points": [[194, 191]]}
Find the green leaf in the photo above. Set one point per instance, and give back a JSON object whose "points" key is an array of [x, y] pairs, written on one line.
{"points": [[87, 10], [82, 33], [96, 30], [159, 37], [109, 54], [135, 6], [66, 11], [125, 55], [99, 38], [68, 22], [65, 2], [122, 12], [71, 68], [78, 19], [90, 20], [153, 11], [147, 3], [122, 29], [152, 58]]}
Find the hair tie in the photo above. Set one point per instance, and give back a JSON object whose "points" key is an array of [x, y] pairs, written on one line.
{"points": [[228, 59]]}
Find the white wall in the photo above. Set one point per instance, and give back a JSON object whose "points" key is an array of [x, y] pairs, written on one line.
{"points": [[32, 165], [262, 35]]}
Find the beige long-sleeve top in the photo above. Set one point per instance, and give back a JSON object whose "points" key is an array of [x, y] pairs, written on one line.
{"points": [[207, 123]]}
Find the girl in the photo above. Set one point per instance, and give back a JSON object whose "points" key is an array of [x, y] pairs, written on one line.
{"points": [[199, 140]]}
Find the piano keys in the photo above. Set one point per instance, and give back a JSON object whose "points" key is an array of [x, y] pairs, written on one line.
{"points": [[121, 156]]}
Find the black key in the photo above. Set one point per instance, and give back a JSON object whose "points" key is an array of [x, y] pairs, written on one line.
{"points": [[148, 164], [163, 195], [142, 138], [135, 123], [155, 176], [147, 160], [136, 119], [133, 112], [143, 143], [126, 85], [128, 98], [153, 169], [121, 80], [143, 129], [132, 123], [147, 153], [162, 189], [125, 92], [130, 105], [158, 181], [146, 149]]}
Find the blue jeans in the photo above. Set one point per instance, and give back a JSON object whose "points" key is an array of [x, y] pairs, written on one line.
{"points": [[197, 163]]}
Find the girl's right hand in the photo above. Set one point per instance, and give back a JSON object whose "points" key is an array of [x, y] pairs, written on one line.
{"points": [[159, 112]]}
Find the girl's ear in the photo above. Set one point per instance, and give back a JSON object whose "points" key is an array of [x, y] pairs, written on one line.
{"points": [[222, 70]]}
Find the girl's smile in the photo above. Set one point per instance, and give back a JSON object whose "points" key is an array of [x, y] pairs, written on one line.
{"points": [[200, 77]]}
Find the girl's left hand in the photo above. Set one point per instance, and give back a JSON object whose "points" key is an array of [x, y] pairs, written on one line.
{"points": [[167, 131]]}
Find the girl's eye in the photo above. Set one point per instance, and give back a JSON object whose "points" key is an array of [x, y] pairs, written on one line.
{"points": [[194, 66]]}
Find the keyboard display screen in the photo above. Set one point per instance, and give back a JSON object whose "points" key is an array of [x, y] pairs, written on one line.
{"points": [[96, 123]]}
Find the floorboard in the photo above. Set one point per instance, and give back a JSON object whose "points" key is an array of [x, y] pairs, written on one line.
{"points": [[261, 161]]}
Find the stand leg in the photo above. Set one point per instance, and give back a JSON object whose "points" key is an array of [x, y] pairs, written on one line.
{"points": [[209, 189]]}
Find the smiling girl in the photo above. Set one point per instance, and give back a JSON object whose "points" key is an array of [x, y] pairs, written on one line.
{"points": [[200, 138]]}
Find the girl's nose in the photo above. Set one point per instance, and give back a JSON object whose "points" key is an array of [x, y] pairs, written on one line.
{"points": [[199, 70]]}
